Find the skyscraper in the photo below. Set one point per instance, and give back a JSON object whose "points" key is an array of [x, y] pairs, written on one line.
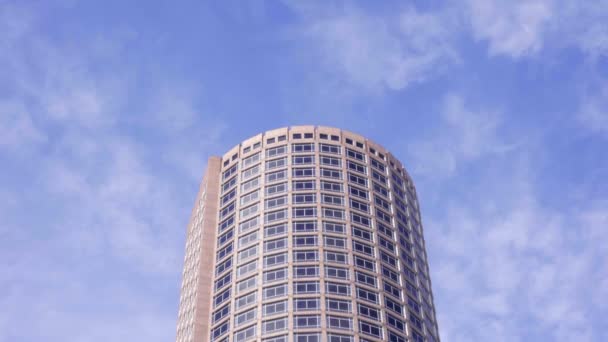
{"points": [[306, 234]]}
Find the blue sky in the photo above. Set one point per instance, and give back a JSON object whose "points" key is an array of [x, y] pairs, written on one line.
{"points": [[109, 111]]}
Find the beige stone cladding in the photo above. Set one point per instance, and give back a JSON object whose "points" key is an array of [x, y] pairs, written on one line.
{"points": [[308, 234]]}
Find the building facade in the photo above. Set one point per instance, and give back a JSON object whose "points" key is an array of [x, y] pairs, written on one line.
{"points": [[306, 234]]}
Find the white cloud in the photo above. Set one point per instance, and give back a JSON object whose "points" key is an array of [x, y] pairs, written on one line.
{"points": [[17, 130], [508, 274], [513, 28], [466, 134], [593, 112], [380, 52]]}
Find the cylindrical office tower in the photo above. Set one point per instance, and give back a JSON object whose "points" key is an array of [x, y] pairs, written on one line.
{"points": [[306, 234]]}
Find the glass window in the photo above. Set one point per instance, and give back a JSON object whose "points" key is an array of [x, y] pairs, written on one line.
{"points": [[327, 148], [309, 337], [337, 289], [304, 226], [251, 159], [303, 172], [338, 305], [248, 253], [275, 216], [275, 245], [223, 239], [392, 290], [331, 173], [246, 212], [368, 312], [250, 197], [305, 271], [275, 230], [330, 161], [246, 284], [378, 165], [221, 313], [360, 219], [299, 212], [307, 147], [380, 178], [227, 210], [303, 185], [308, 321], [250, 172], [304, 240], [303, 160], [393, 337], [366, 279], [365, 263], [274, 308], [249, 185], [363, 248], [363, 234], [221, 297], [332, 199], [334, 242], [274, 260], [223, 281], [245, 317], [226, 265], [330, 227], [275, 291], [231, 171], [276, 176], [275, 202], [335, 257], [331, 186], [229, 184], [274, 325], [358, 192], [367, 295], [354, 154], [393, 305], [395, 322], [247, 239], [306, 287], [370, 329], [336, 272], [219, 330], [306, 304], [245, 334], [226, 224], [303, 198], [228, 197], [276, 151], [358, 180], [305, 256], [224, 252], [357, 205], [336, 214], [275, 275], [356, 167], [276, 163], [246, 300], [249, 224], [338, 338], [336, 322], [247, 269]]}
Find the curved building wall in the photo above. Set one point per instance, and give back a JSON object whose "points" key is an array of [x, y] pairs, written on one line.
{"points": [[315, 235]]}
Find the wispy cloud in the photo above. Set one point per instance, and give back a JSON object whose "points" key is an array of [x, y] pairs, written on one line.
{"points": [[465, 135], [513, 28], [501, 258], [375, 53], [593, 111], [109, 225]]}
